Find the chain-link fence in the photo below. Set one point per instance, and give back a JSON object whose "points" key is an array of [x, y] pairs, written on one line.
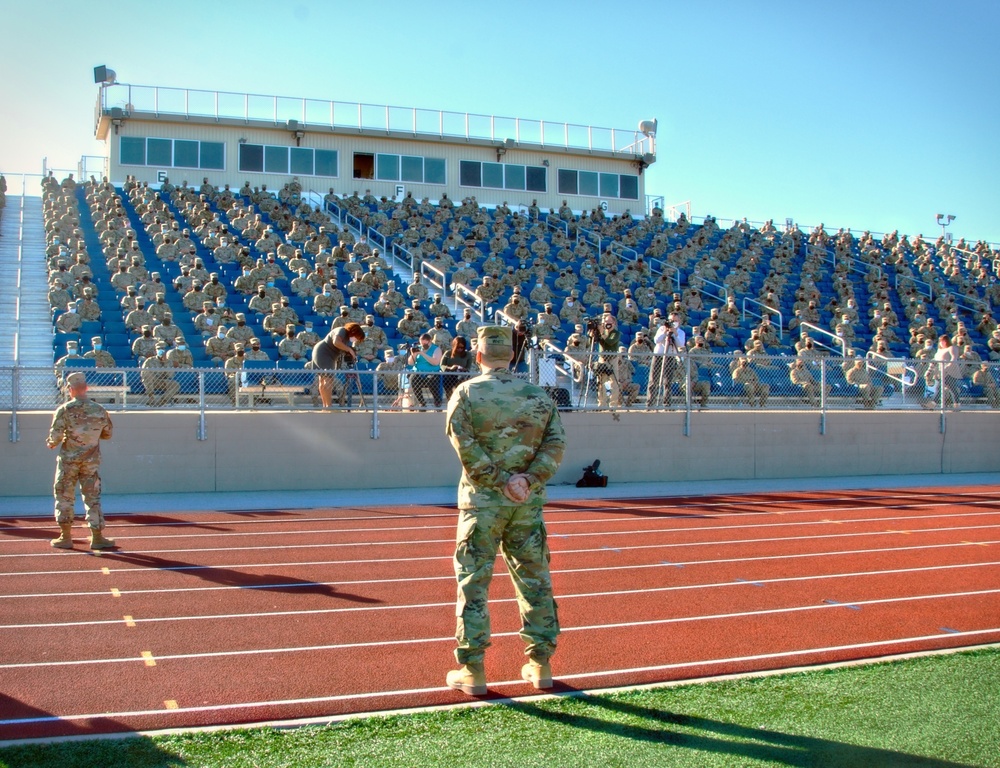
{"points": [[580, 381]]}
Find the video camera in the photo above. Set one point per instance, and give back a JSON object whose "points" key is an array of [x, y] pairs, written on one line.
{"points": [[593, 477], [593, 324]]}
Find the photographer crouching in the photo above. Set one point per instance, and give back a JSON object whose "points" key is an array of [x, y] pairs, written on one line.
{"points": [[606, 337]]}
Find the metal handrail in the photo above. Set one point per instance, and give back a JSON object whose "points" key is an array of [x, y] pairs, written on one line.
{"points": [[769, 310], [469, 298], [824, 332], [896, 363], [554, 223], [660, 267], [916, 284], [306, 113], [724, 291], [589, 236], [436, 277]]}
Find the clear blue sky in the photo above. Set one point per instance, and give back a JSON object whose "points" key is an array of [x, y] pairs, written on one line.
{"points": [[870, 114]]}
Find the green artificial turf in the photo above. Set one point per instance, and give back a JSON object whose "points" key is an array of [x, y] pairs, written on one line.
{"points": [[934, 711]]}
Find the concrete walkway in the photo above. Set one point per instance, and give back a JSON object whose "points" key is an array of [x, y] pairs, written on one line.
{"points": [[122, 504]]}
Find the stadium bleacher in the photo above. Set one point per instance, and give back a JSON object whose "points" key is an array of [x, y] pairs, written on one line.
{"points": [[763, 271]]}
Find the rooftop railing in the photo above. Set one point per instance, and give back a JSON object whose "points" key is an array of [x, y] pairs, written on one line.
{"points": [[346, 116]]}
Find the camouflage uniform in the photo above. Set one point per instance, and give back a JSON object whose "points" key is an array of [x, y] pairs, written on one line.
{"points": [[501, 425], [77, 428]]}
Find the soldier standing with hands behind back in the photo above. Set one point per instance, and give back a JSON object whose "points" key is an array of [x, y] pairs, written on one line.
{"points": [[78, 427], [510, 441]]}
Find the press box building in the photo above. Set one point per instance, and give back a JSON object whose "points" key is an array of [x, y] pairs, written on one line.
{"points": [[152, 132]]}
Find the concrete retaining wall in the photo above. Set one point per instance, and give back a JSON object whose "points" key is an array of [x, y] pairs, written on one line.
{"points": [[160, 453]]}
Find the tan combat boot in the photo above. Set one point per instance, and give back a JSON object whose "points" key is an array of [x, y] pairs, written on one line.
{"points": [[65, 540], [97, 540], [538, 673], [470, 679]]}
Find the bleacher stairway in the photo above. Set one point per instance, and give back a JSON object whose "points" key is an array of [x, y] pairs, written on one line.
{"points": [[22, 227]]}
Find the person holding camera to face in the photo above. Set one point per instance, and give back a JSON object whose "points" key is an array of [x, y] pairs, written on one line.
{"points": [[607, 339], [425, 359], [668, 341]]}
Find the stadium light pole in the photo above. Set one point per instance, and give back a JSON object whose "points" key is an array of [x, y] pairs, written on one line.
{"points": [[944, 220]]}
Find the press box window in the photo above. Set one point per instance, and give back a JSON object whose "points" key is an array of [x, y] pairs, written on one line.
{"points": [[387, 167], [420, 170], [133, 151], [298, 161], [213, 155], [594, 184], [159, 152], [502, 176], [186, 154], [172, 153], [252, 158]]}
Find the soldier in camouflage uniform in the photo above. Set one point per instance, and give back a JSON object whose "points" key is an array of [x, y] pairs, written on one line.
{"points": [[160, 386], [510, 440], [101, 358], [77, 430]]}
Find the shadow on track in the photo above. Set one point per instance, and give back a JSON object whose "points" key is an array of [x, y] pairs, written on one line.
{"points": [[237, 579], [23, 721], [624, 720], [10, 527]]}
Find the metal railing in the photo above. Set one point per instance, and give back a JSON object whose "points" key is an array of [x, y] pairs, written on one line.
{"points": [[723, 291], [839, 345], [465, 297], [766, 310], [905, 280], [690, 381], [302, 113]]}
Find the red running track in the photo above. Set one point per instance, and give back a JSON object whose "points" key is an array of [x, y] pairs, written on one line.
{"points": [[208, 618]]}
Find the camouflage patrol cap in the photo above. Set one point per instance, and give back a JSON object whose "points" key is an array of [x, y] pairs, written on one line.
{"points": [[76, 379], [494, 343], [95, 339], [240, 316], [239, 347], [161, 345], [146, 328], [207, 304]]}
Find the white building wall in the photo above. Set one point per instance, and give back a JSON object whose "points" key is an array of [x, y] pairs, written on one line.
{"points": [[346, 144]]}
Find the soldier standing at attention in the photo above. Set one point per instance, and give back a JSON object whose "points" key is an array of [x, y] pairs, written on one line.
{"points": [[510, 440], [78, 427]]}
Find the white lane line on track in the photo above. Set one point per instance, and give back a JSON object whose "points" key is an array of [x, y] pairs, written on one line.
{"points": [[450, 639], [441, 689], [375, 561], [310, 563], [420, 606], [552, 525], [854, 604], [623, 547], [616, 519], [636, 532]]}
